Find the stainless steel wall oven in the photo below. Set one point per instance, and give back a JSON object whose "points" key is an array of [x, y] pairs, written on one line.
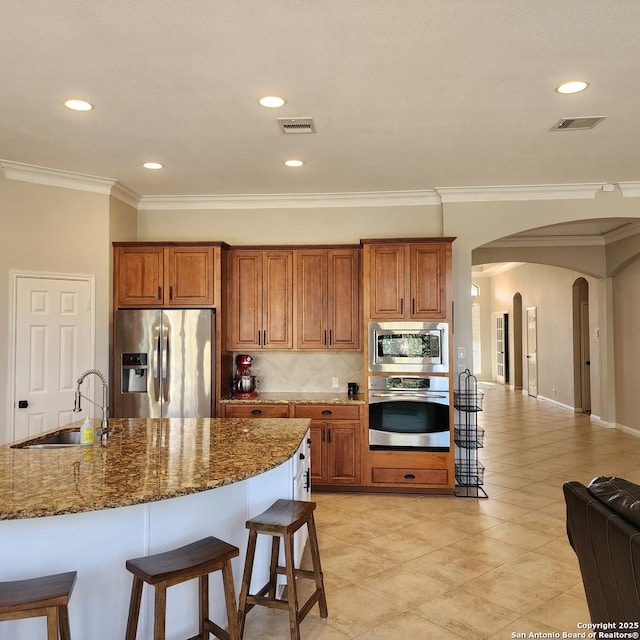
{"points": [[409, 413]]}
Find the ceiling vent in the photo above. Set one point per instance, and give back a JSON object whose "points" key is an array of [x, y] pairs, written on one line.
{"points": [[567, 124], [296, 125]]}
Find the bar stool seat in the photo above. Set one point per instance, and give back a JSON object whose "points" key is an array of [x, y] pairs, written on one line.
{"points": [[281, 520], [163, 570], [45, 596]]}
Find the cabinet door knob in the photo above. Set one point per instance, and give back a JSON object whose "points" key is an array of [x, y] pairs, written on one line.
{"points": [[256, 412]]}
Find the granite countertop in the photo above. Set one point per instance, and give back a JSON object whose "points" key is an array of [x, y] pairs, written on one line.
{"points": [[298, 397], [145, 460]]}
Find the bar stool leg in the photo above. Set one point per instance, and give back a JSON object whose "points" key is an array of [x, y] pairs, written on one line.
{"points": [[134, 609], [203, 606], [63, 623], [230, 601], [52, 623], [273, 576], [317, 569], [160, 611], [246, 580], [292, 591]]}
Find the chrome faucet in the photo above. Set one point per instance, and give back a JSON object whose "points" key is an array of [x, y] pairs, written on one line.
{"points": [[104, 428]]}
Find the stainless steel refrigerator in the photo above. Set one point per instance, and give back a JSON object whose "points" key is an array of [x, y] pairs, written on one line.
{"points": [[164, 363]]}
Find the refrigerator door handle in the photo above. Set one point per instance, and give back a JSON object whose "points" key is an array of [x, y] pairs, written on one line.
{"points": [[155, 357], [165, 364]]}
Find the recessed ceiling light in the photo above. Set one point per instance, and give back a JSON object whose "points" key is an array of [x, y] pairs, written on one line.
{"points": [[575, 86], [294, 163], [152, 165], [273, 102], [78, 105]]}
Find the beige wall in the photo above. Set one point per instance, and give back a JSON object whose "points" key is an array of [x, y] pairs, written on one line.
{"points": [[53, 230], [626, 298], [292, 226]]}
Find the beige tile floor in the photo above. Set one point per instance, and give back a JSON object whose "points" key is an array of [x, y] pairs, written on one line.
{"points": [[401, 567]]}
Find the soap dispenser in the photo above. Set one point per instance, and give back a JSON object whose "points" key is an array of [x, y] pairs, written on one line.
{"points": [[86, 432]]}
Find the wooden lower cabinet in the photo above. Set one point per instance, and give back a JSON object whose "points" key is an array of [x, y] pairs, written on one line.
{"points": [[335, 443], [255, 410], [422, 470]]}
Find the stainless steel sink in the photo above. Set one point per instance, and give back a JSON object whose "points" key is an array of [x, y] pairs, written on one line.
{"points": [[55, 441], [62, 440]]}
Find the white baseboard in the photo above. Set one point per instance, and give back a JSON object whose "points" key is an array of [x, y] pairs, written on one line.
{"points": [[629, 430], [556, 403]]}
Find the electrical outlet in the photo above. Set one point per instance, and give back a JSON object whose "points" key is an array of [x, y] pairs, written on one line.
{"points": [[460, 353], [334, 382]]}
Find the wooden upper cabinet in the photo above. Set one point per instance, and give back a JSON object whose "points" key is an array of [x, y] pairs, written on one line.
{"points": [[343, 285], [409, 281], [260, 300], [139, 275], [387, 281], [189, 276], [311, 290], [328, 299], [161, 276]]}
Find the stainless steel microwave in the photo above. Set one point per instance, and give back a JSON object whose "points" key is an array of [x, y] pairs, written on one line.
{"points": [[413, 347]]}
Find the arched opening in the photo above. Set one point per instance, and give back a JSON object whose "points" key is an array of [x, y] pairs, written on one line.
{"points": [[581, 349]]}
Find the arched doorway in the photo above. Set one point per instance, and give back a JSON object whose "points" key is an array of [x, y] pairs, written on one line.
{"points": [[581, 350]]}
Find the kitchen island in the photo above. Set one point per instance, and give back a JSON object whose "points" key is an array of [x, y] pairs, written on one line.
{"points": [[154, 485]]}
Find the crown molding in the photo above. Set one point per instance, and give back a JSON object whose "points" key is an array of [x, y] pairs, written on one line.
{"points": [[126, 195], [546, 241], [69, 180], [630, 189], [490, 270], [291, 200], [430, 197], [520, 192], [55, 177], [610, 237]]}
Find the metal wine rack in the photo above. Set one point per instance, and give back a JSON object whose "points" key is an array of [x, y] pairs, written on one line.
{"points": [[468, 437]]}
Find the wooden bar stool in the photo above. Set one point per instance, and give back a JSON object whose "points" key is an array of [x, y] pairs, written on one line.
{"points": [[195, 560], [281, 520], [46, 596]]}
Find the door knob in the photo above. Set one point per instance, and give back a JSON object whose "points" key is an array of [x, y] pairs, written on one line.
{"points": [[23, 404]]}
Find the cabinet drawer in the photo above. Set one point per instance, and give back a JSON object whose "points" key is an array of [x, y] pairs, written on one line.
{"points": [[326, 412], [410, 476], [256, 411]]}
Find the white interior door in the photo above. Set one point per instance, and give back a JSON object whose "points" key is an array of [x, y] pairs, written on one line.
{"points": [[532, 350], [498, 339], [52, 346]]}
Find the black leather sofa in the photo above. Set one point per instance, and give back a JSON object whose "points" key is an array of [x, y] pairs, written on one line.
{"points": [[603, 525]]}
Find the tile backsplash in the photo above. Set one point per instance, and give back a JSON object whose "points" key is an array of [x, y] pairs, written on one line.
{"points": [[279, 371]]}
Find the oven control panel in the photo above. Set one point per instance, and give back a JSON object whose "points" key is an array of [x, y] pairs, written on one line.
{"points": [[423, 383]]}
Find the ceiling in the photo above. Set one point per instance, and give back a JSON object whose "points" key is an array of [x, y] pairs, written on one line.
{"points": [[405, 94]]}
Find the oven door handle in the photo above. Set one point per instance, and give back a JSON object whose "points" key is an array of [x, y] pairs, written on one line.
{"points": [[420, 396]]}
